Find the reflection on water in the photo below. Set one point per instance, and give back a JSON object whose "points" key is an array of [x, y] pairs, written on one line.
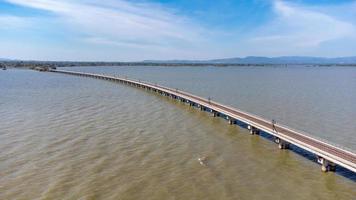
{"points": [[65, 137]]}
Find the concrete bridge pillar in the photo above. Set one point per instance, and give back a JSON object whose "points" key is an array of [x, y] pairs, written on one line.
{"points": [[281, 143], [231, 121], [326, 165], [276, 140], [253, 130], [214, 113]]}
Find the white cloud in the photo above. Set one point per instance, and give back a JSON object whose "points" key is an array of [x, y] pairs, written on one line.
{"points": [[13, 22], [125, 30], [117, 22], [301, 29], [121, 43]]}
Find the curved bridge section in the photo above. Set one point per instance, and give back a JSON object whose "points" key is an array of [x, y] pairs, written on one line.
{"points": [[328, 155]]}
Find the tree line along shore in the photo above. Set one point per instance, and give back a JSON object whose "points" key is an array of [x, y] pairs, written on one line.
{"points": [[55, 64]]}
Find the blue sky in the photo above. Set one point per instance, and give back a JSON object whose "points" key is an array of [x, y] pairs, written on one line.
{"points": [[133, 30]]}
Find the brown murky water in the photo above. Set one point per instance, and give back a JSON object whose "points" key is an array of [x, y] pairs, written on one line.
{"points": [[65, 137]]}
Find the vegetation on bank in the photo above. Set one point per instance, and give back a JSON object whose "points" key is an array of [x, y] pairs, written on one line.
{"points": [[54, 64], [2, 66]]}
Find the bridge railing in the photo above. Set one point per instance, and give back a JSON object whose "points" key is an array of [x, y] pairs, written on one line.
{"points": [[319, 139]]}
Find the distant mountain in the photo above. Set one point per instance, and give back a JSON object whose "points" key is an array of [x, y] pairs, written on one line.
{"points": [[176, 61], [268, 60]]}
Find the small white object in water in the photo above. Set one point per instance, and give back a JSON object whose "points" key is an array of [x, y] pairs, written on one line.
{"points": [[202, 160]]}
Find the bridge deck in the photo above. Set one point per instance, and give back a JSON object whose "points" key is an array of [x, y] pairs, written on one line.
{"points": [[337, 155]]}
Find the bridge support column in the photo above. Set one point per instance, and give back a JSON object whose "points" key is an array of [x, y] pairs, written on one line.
{"points": [[281, 143], [231, 121], [326, 165], [253, 130], [214, 113]]}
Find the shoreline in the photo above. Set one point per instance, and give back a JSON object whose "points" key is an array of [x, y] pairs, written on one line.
{"points": [[51, 64]]}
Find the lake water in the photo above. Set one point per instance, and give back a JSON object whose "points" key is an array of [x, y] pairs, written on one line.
{"points": [[67, 137]]}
